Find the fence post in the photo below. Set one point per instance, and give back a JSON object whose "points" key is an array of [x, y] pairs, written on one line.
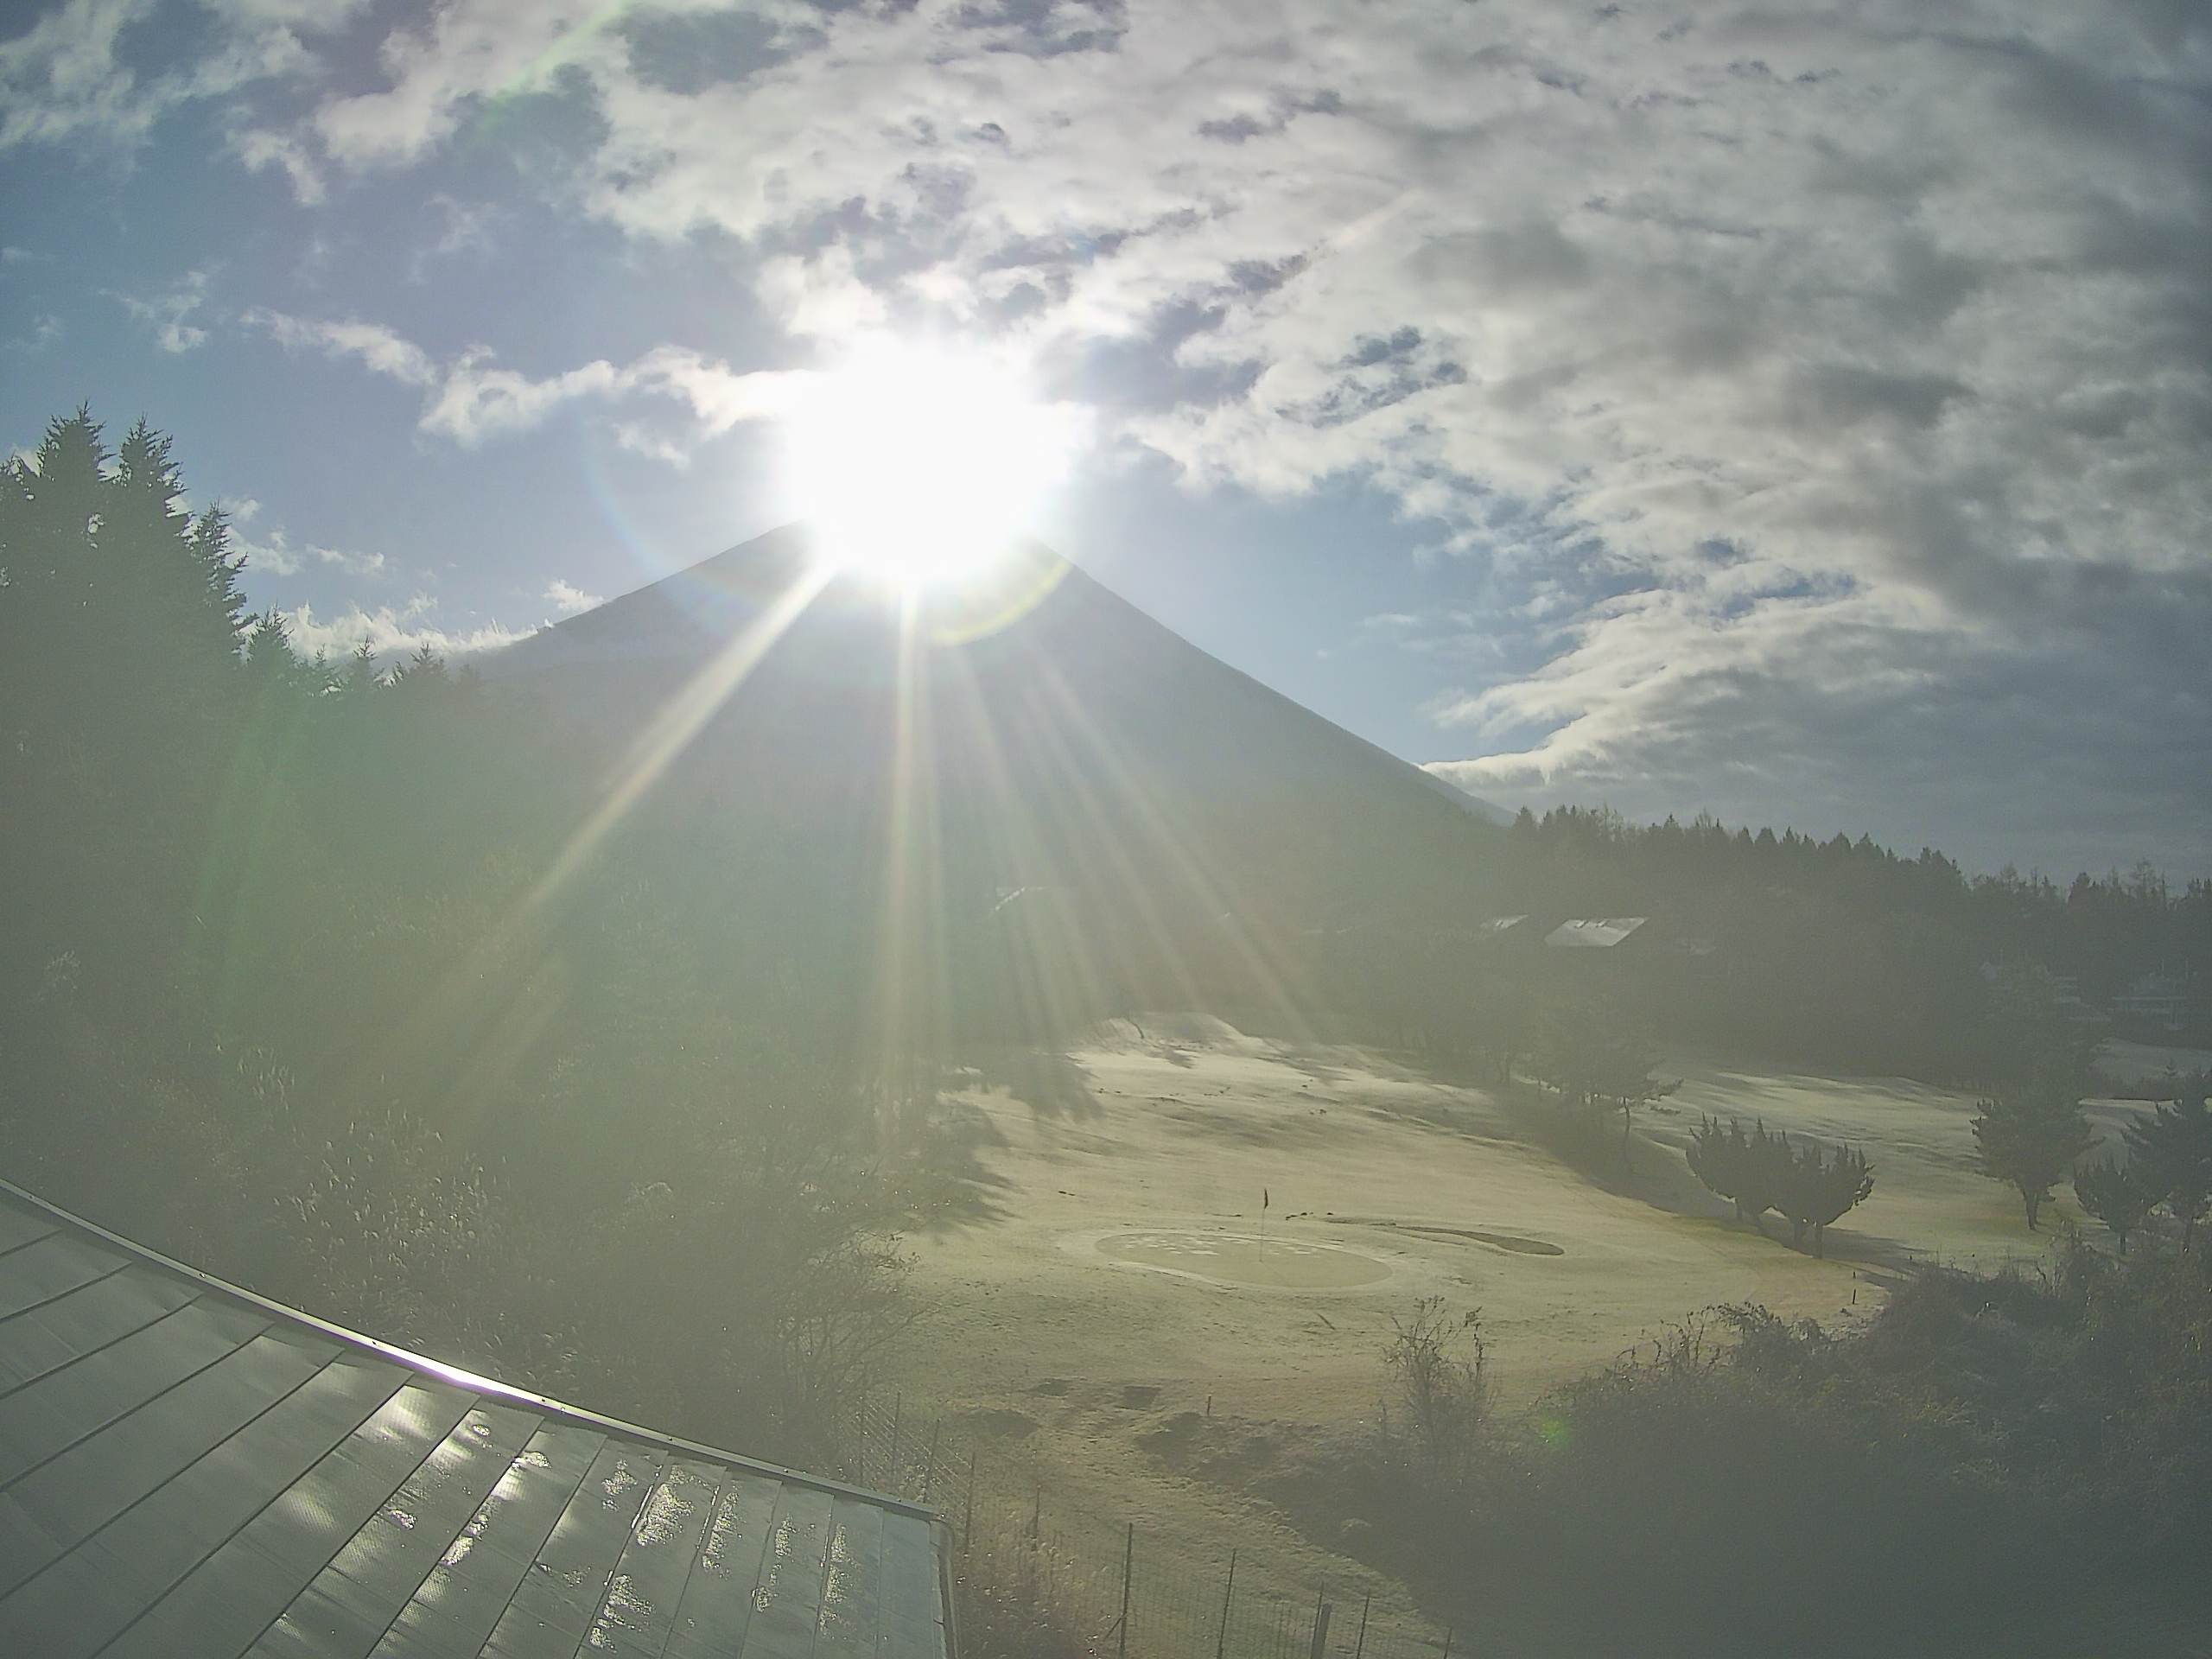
{"points": [[1448, 1634], [897, 1400], [968, 1524], [1037, 1513], [929, 1467], [1321, 1611], [1128, 1560], [1359, 1649], [1221, 1645]]}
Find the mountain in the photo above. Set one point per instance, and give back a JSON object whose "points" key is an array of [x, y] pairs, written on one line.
{"points": [[1488, 812], [1029, 791]]}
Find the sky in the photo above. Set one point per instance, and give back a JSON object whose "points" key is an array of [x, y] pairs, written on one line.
{"points": [[1800, 412]]}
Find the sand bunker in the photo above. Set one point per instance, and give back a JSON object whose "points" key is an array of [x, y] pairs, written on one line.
{"points": [[1512, 1242], [1243, 1260]]}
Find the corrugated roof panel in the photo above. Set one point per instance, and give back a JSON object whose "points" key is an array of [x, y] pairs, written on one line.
{"points": [[70, 1496], [554, 1605], [717, 1605], [50, 1266], [638, 1613], [79, 1603], [185, 1468], [57, 1332], [234, 1595], [789, 1599], [353, 1602], [469, 1592], [44, 1419]]}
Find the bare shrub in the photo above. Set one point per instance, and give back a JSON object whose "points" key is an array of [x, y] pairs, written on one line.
{"points": [[1438, 1366], [1009, 1614]]}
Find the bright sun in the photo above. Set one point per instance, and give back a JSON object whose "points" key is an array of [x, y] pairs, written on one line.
{"points": [[921, 464]]}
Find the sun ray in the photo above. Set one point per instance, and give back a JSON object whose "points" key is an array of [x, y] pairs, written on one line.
{"points": [[673, 728], [1056, 979], [1177, 851], [458, 995]]}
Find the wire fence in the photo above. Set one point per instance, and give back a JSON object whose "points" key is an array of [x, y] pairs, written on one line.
{"points": [[1123, 1594]]}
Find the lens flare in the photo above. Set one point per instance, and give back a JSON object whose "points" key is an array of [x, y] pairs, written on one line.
{"points": [[921, 464]]}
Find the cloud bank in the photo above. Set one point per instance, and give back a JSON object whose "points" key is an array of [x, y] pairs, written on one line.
{"points": [[1817, 396]]}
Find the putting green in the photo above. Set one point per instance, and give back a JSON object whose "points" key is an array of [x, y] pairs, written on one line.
{"points": [[1246, 1259]]}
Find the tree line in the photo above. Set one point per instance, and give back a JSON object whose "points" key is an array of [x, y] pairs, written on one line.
{"points": [[1844, 953], [283, 991]]}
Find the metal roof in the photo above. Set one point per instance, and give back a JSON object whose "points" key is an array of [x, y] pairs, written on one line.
{"points": [[189, 1469], [1601, 932]]}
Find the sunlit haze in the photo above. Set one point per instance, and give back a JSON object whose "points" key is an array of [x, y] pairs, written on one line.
{"points": [[922, 463], [1106, 828]]}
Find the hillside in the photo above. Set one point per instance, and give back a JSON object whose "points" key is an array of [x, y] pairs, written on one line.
{"points": [[1034, 780]]}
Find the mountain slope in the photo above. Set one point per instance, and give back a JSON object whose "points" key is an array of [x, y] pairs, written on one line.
{"points": [[1040, 790]]}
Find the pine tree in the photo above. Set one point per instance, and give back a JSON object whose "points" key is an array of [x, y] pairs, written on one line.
{"points": [[48, 517], [2029, 1137], [1814, 1189], [1719, 1158], [2117, 1194], [2173, 1149], [269, 646], [1762, 1170]]}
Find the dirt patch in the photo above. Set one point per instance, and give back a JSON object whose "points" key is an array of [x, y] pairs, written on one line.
{"points": [[1138, 1396], [998, 1423], [1174, 1441]]}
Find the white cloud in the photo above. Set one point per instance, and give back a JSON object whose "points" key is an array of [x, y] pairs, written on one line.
{"points": [[640, 441], [571, 600], [273, 553], [437, 69], [821, 297], [63, 81], [470, 398], [45, 329], [170, 315], [353, 564], [392, 632], [468, 229], [1739, 350], [371, 344], [475, 400], [262, 148]]}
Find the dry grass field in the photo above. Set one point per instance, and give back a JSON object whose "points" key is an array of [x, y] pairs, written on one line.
{"points": [[1123, 1271]]}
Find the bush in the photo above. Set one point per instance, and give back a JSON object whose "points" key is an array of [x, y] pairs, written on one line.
{"points": [[2117, 1194], [1987, 1450], [1438, 1366], [1761, 1171], [1006, 1614]]}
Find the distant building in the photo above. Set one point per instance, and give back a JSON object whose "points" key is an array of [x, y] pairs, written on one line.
{"points": [[1594, 933], [2066, 991], [189, 1469], [2156, 1001]]}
